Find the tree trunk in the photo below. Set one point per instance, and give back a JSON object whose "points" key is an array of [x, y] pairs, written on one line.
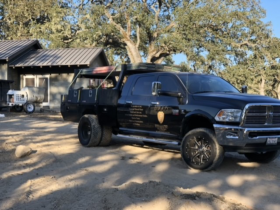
{"points": [[151, 53], [133, 52], [278, 91], [149, 58]]}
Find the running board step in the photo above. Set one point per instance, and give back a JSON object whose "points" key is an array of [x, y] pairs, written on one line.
{"points": [[151, 140]]}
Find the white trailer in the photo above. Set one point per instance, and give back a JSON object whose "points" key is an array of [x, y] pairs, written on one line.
{"points": [[25, 99]]}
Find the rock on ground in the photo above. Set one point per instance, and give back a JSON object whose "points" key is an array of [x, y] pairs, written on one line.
{"points": [[22, 151]]}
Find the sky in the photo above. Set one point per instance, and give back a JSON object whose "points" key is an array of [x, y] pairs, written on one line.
{"points": [[272, 8]]}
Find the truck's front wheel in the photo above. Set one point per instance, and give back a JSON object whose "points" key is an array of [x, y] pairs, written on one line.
{"points": [[262, 157], [200, 149], [89, 131]]}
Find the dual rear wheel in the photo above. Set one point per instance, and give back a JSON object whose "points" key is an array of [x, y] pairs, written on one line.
{"points": [[92, 134]]}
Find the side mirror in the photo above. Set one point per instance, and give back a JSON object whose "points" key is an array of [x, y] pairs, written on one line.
{"points": [[156, 86], [244, 89]]}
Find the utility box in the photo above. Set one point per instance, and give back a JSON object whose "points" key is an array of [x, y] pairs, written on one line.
{"points": [[4, 88], [26, 98]]}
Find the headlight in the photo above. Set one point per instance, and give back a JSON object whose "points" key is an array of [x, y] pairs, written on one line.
{"points": [[229, 115]]}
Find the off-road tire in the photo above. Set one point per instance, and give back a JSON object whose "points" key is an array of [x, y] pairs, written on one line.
{"points": [[29, 108], [18, 108], [200, 149], [262, 157], [89, 131], [106, 136]]}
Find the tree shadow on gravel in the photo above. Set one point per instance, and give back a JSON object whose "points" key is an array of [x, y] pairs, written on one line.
{"points": [[64, 175]]}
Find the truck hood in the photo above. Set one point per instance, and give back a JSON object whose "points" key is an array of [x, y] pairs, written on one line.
{"points": [[233, 100]]}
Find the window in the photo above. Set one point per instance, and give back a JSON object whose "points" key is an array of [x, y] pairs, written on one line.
{"points": [[168, 83], [143, 86], [197, 83]]}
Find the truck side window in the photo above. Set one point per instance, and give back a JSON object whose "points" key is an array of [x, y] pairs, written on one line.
{"points": [[143, 86], [168, 83]]}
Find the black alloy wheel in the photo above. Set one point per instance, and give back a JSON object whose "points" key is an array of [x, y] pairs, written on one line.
{"points": [[200, 149]]}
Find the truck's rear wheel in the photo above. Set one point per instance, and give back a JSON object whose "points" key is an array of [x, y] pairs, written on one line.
{"points": [[106, 136], [262, 157], [200, 149], [89, 131]]}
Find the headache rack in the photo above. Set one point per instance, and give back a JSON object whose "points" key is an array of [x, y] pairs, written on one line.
{"points": [[134, 68]]}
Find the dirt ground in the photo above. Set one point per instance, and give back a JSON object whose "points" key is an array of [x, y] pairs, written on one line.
{"points": [[61, 174]]}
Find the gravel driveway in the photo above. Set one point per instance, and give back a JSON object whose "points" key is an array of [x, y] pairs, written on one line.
{"points": [[61, 174]]}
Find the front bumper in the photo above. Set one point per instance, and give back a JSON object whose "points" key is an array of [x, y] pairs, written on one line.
{"points": [[236, 136]]}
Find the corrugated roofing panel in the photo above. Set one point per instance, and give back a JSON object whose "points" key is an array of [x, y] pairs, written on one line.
{"points": [[67, 56], [89, 55], [78, 58], [57, 57], [9, 48]]}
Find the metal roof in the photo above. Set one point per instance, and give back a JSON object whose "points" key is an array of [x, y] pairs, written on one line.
{"points": [[12, 48], [59, 57]]}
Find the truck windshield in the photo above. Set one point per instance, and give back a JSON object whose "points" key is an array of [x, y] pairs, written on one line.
{"points": [[197, 83]]}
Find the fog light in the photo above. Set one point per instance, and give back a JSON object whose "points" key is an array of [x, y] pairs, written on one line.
{"points": [[232, 135]]}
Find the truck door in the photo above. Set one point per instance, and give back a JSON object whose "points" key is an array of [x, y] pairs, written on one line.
{"points": [[134, 104], [167, 111]]}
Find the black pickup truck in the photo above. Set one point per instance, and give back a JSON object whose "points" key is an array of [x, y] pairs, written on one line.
{"points": [[204, 114]]}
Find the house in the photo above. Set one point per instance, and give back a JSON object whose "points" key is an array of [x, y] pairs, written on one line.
{"points": [[28, 64]]}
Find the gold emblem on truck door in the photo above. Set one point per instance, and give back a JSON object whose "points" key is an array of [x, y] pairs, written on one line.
{"points": [[160, 117]]}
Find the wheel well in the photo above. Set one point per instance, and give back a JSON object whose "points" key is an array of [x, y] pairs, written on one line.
{"points": [[88, 111], [196, 122]]}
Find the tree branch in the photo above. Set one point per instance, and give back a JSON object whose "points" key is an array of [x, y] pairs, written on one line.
{"points": [[118, 26], [138, 36], [128, 24]]}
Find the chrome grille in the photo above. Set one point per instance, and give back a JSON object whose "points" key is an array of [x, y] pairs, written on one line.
{"points": [[257, 109], [262, 115]]}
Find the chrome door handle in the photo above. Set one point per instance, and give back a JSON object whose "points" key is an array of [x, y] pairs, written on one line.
{"points": [[155, 103], [128, 102]]}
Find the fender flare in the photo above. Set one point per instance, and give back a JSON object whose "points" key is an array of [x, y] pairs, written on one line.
{"points": [[196, 113]]}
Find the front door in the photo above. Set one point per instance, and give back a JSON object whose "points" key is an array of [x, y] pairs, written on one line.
{"points": [[166, 114], [42, 81]]}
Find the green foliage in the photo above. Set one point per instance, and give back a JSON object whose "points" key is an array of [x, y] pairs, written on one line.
{"points": [[2, 14], [223, 37]]}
